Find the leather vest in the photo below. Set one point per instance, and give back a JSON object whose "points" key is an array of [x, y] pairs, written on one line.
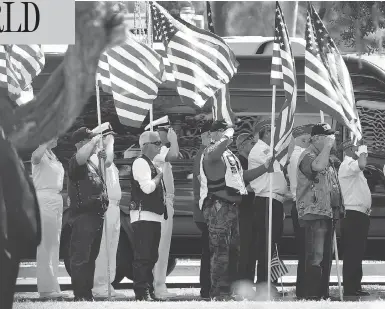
{"points": [[320, 195], [153, 202]]}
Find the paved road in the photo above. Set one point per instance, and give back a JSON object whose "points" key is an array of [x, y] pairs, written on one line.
{"points": [[186, 274]]}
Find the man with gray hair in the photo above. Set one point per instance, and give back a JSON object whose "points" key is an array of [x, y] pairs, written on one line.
{"points": [[147, 210]]}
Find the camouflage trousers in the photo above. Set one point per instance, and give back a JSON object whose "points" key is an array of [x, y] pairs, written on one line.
{"points": [[222, 222]]}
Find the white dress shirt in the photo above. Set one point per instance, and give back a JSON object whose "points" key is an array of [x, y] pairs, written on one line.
{"points": [[261, 185], [354, 186], [292, 169], [166, 168], [141, 172]]}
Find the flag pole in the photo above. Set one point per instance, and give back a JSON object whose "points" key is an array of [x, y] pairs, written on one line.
{"points": [[149, 42], [270, 196], [103, 170], [335, 241]]}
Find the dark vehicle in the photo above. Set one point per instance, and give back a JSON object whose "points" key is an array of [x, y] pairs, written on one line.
{"points": [[251, 100]]}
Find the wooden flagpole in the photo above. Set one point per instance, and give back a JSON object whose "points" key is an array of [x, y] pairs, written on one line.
{"points": [[270, 196], [103, 170]]}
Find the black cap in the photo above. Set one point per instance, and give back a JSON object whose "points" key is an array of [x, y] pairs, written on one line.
{"points": [[82, 134], [205, 127], [219, 125], [322, 129]]}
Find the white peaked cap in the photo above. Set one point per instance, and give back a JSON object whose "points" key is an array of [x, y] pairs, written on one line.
{"points": [[103, 127], [163, 120]]}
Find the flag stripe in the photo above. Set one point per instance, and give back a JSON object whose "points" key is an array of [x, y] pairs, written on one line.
{"points": [[133, 73], [283, 74], [327, 81]]}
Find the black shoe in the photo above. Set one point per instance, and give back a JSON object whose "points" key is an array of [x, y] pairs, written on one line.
{"points": [[79, 298], [358, 293], [143, 295]]}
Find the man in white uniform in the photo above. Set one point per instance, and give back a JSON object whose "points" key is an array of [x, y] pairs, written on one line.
{"points": [[301, 135], [168, 152], [112, 222], [355, 226], [261, 186]]}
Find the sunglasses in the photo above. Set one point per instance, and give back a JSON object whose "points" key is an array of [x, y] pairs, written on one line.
{"points": [[157, 143]]}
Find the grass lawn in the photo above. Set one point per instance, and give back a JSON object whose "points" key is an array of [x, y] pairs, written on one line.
{"points": [[199, 304]]}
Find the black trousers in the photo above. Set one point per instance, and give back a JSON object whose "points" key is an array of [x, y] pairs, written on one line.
{"points": [[299, 233], [248, 229], [146, 244], [204, 275], [262, 207], [354, 229], [86, 234], [9, 268]]}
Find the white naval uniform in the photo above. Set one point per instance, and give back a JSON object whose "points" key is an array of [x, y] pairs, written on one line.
{"points": [[112, 216], [160, 268], [48, 178]]}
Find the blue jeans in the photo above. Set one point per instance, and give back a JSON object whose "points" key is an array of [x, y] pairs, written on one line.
{"points": [[318, 257]]}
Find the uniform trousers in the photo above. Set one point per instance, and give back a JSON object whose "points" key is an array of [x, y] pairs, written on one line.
{"points": [[47, 255], [101, 280], [160, 268]]}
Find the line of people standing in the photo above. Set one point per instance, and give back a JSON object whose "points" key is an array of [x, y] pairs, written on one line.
{"points": [[234, 222]]}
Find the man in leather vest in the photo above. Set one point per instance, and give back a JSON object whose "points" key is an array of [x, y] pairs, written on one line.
{"points": [[88, 201], [147, 210], [319, 204]]}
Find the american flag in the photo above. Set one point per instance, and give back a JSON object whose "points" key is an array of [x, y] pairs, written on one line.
{"points": [[278, 268], [327, 81], [133, 73], [221, 101], [201, 62], [283, 73], [19, 65]]}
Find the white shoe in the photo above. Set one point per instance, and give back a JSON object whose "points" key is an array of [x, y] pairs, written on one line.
{"points": [[52, 295], [164, 294]]}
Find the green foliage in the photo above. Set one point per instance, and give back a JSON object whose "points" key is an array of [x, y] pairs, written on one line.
{"points": [[362, 24]]}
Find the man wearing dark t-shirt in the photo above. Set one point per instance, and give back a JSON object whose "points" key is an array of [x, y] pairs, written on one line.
{"points": [[88, 201]]}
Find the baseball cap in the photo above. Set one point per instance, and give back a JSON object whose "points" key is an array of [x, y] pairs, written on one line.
{"points": [[206, 127], [302, 130], [262, 125], [219, 125], [322, 129], [242, 137], [82, 134], [105, 128]]}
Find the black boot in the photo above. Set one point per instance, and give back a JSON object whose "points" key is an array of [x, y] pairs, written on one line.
{"points": [[142, 295]]}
